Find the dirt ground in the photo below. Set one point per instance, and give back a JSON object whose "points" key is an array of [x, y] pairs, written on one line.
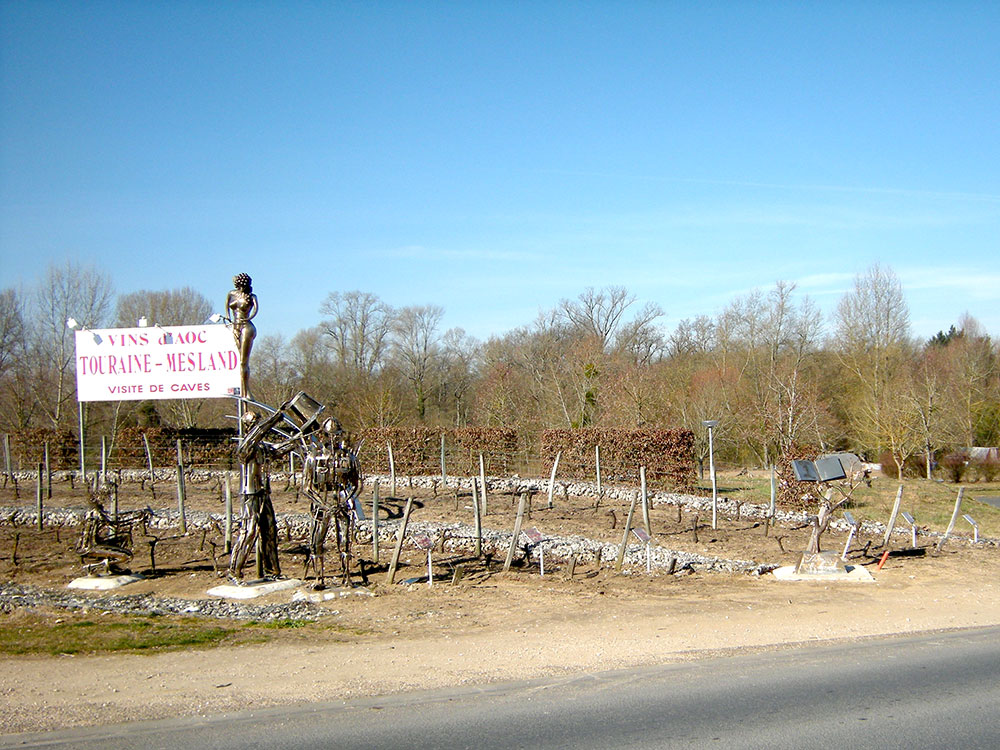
{"points": [[488, 626]]}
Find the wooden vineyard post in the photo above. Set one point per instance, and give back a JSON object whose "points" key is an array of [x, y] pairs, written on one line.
{"points": [[38, 498], [104, 459], [181, 492], [375, 522], [8, 466], [892, 516], [400, 536], [229, 515], [628, 527], [149, 462], [48, 473], [444, 473], [552, 476], [774, 495], [482, 482], [517, 532], [478, 518], [597, 466], [954, 518], [392, 472]]}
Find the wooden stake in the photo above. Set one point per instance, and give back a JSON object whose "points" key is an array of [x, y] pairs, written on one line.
{"points": [[444, 474], [38, 498], [181, 493], [392, 471], [517, 532], [892, 516], [375, 522], [482, 481], [628, 527], [149, 462], [229, 516], [400, 536], [552, 477], [954, 518], [477, 515], [48, 473], [597, 463]]}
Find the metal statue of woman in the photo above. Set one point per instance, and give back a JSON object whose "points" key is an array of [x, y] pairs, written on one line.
{"points": [[241, 307]]}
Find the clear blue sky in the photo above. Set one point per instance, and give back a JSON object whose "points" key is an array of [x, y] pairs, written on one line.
{"points": [[496, 157]]}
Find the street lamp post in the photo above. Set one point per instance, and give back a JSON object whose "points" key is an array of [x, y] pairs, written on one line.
{"points": [[710, 423]]}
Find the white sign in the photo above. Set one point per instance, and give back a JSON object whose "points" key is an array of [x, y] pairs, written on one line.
{"points": [[135, 364]]}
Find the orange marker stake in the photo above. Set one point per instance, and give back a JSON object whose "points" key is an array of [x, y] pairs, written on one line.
{"points": [[885, 556]]}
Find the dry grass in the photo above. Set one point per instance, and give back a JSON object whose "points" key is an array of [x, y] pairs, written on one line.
{"points": [[930, 502]]}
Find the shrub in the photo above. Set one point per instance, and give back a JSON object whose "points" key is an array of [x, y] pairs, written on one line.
{"points": [[955, 465], [987, 469]]}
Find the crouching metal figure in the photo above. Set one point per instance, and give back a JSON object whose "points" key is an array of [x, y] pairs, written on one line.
{"points": [[106, 538]]}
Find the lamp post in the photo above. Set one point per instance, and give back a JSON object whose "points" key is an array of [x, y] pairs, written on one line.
{"points": [[710, 423]]}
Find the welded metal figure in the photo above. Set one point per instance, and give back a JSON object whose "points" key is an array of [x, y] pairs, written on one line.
{"points": [[332, 480], [258, 524], [106, 538]]}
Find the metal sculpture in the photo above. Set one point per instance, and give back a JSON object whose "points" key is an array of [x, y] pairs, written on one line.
{"points": [[332, 480], [106, 538], [332, 476], [241, 307]]}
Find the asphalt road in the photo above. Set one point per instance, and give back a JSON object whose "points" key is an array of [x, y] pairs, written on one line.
{"points": [[937, 690]]}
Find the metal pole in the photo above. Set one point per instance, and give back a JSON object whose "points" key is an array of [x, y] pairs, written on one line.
{"points": [[83, 458]]}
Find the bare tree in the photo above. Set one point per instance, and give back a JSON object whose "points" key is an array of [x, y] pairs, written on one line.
{"points": [[359, 325], [68, 291], [16, 403], [459, 358], [598, 313], [172, 307], [872, 342], [416, 346]]}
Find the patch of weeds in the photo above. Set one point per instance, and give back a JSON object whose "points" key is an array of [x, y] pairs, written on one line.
{"points": [[286, 624], [38, 635]]}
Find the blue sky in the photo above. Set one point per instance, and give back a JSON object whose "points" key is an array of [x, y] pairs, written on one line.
{"points": [[496, 157]]}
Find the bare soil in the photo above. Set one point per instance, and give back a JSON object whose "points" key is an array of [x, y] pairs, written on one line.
{"points": [[488, 626]]}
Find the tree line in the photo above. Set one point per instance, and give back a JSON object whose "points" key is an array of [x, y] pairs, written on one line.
{"points": [[777, 375]]}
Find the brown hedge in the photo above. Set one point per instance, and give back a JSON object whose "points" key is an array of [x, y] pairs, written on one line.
{"points": [[667, 454]]}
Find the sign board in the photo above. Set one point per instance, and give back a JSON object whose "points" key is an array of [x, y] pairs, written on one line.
{"points": [[136, 364], [805, 471], [534, 535], [641, 535], [830, 469], [423, 541]]}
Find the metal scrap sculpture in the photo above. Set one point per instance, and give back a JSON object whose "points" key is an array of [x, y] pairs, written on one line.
{"points": [[106, 538], [332, 476], [332, 480]]}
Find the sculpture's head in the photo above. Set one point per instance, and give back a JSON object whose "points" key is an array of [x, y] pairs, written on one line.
{"points": [[242, 282]]}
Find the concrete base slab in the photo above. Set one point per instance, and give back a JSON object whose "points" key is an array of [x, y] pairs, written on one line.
{"points": [[851, 574], [324, 596], [102, 583], [253, 589]]}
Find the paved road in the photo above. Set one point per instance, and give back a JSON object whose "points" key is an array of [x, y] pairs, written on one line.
{"points": [[939, 690]]}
